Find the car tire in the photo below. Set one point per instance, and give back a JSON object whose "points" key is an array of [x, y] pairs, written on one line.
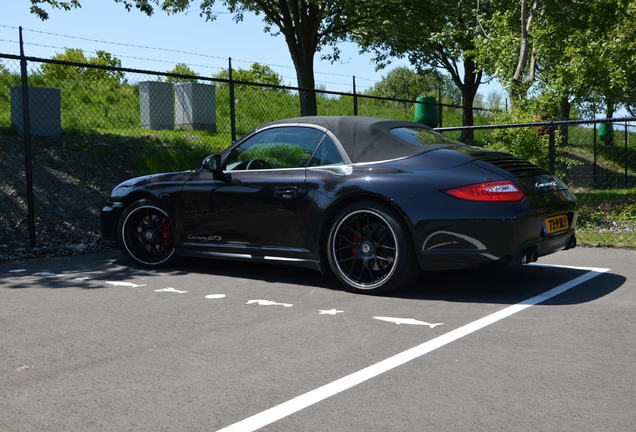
{"points": [[369, 249], [145, 234]]}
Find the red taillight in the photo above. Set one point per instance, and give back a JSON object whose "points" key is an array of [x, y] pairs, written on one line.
{"points": [[491, 191]]}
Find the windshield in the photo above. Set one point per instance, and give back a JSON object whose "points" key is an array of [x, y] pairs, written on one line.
{"points": [[422, 136]]}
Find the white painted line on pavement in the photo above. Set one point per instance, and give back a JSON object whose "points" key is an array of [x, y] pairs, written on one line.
{"points": [[124, 284], [268, 303], [312, 397], [329, 311], [407, 321], [170, 290]]}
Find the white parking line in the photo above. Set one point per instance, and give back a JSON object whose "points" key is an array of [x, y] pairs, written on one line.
{"points": [[312, 397]]}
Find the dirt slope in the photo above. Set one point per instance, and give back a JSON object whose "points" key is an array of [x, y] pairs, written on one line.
{"points": [[72, 178]]}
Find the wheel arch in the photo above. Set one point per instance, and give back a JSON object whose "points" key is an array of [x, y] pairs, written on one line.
{"points": [[342, 202], [137, 195]]}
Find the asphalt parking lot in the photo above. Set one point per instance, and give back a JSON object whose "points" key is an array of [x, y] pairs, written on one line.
{"points": [[91, 344]]}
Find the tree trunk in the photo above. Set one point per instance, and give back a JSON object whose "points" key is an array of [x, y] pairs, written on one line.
{"points": [[468, 97], [610, 107], [565, 107], [469, 90], [304, 62]]}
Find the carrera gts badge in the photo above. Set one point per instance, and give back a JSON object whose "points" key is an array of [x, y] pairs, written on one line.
{"points": [[205, 238]]}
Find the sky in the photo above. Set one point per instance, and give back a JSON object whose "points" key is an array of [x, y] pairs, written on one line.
{"points": [[245, 42]]}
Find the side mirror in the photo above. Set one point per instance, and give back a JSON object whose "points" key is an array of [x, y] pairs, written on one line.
{"points": [[213, 164]]}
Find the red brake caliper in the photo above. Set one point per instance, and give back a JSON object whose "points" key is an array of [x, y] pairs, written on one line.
{"points": [[166, 234], [354, 239]]}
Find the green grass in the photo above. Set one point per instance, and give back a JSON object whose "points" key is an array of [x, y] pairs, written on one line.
{"points": [[607, 217], [614, 155], [608, 195], [111, 108], [595, 238]]}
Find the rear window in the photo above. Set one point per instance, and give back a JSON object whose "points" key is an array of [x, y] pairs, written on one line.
{"points": [[422, 136]]}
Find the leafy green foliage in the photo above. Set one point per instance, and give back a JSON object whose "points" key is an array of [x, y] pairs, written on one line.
{"points": [[38, 9], [527, 143], [181, 69], [404, 83], [530, 143], [56, 72], [257, 73], [578, 50]]}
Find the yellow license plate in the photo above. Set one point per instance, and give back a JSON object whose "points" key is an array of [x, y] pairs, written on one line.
{"points": [[557, 223]]}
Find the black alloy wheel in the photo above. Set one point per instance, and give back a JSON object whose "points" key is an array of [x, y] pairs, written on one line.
{"points": [[146, 234], [369, 250]]}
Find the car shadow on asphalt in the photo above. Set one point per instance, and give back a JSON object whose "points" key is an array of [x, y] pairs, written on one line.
{"points": [[504, 285], [497, 285], [509, 285]]}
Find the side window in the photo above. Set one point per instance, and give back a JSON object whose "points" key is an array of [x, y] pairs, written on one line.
{"points": [[281, 147], [326, 154]]}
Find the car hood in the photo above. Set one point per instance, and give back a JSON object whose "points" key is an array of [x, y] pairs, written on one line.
{"points": [[151, 180]]}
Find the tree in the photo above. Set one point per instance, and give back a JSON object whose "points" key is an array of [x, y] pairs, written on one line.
{"points": [[257, 73], [404, 83], [57, 72], [181, 69], [438, 34], [308, 26], [581, 51], [570, 47]]}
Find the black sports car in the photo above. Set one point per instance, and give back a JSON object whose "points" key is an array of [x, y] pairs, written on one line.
{"points": [[369, 199]]}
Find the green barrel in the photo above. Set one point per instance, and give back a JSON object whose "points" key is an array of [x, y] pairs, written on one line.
{"points": [[426, 113], [605, 131]]}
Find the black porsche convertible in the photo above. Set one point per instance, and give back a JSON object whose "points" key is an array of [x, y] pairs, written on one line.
{"points": [[371, 200]]}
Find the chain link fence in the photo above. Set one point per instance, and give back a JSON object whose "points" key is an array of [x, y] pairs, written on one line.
{"points": [[96, 126]]}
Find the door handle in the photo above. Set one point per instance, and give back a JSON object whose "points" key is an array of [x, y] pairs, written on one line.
{"points": [[286, 192]]}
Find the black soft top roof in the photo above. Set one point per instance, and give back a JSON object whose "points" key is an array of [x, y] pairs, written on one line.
{"points": [[365, 139]]}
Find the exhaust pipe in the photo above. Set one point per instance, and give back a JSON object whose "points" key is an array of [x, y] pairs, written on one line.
{"points": [[530, 256]]}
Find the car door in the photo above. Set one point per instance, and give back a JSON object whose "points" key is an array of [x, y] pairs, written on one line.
{"points": [[261, 200]]}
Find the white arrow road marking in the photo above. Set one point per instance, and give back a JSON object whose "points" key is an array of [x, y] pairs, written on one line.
{"points": [[409, 321], [44, 274], [82, 279], [124, 284], [316, 395], [17, 270], [268, 303], [328, 312], [170, 290], [215, 296]]}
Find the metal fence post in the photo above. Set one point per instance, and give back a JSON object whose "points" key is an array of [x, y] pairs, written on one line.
{"points": [[26, 128], [232, 102], [625, 158], [594, 164], [439, 107], [355, 97], [551, 148]]}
